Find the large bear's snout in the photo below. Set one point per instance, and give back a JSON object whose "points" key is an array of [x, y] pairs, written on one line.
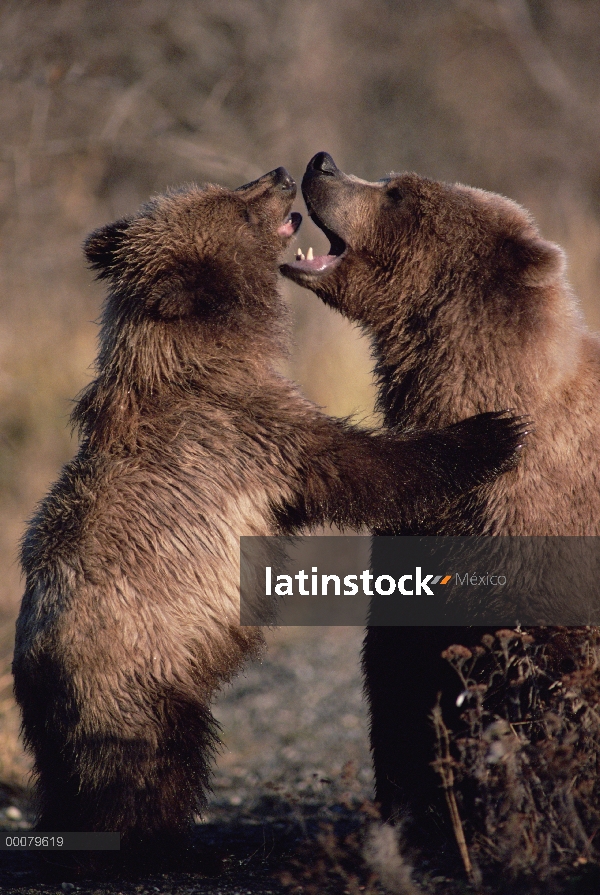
{"points": [[321, 163], [330, 197]]}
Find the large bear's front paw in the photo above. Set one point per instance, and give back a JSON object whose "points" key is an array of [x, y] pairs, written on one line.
{"points": [[484, 446]]}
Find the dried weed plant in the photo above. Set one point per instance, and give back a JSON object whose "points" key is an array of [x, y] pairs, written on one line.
{"points": [[523, 774]]}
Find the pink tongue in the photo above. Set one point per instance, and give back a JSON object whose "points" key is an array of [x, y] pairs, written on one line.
{"points": [[287, 229]]}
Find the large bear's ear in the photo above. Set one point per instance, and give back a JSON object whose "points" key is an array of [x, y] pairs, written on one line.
{"points": [[101, 248], [532, 260]]}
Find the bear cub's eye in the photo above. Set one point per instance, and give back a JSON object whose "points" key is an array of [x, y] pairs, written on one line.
{"points": [[250, 216]]}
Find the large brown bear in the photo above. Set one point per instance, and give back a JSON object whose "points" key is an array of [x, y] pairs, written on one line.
{"points": [[468, 309], [189, 439]]}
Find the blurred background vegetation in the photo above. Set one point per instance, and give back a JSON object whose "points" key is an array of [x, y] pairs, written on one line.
{"points": [[104, 103]]}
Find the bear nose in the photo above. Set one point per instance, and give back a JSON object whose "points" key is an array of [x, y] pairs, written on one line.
{"points": [[322, 163], [283, 179]]}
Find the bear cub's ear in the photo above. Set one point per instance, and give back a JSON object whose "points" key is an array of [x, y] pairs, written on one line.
{"points": [[101, 248]]}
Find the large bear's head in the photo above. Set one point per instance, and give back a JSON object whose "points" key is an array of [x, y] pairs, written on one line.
{"points": [[409, 244], [466, 303], [204, 253]]}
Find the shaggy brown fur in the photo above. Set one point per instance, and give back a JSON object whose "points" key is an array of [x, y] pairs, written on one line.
{"points": [[468, 309], [190, 438]]}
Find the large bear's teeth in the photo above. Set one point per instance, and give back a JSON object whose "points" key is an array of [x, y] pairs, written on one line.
{"points": [[299, 255], [309, 254]]}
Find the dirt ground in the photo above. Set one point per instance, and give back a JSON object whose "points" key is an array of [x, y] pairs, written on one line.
{"points": [[291, 806], [295, 755]]}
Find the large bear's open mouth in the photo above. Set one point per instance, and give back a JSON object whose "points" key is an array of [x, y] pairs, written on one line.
{"points": [[310, 265]]}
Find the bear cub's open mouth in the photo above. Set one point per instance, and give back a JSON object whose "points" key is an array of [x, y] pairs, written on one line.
{"points": [[290, 225]]}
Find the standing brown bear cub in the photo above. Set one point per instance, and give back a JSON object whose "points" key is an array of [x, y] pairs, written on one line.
{"points": [[189, 439], [468, 309]]}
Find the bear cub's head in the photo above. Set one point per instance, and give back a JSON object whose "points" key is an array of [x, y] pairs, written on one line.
{"points": [[192, 301], [201, 253], [407, 242]]}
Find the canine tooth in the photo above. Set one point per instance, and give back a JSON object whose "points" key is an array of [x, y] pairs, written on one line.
{"points": [[309, 254], [299, 255]]}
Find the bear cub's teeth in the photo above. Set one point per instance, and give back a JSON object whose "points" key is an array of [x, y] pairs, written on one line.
{"points": [[301, 257]]}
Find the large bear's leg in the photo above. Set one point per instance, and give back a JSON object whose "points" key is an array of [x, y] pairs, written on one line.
{"points": [[404, 673]]}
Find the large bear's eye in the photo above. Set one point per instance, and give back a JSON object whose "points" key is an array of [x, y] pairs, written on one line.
{"points": [[394, 193]]}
